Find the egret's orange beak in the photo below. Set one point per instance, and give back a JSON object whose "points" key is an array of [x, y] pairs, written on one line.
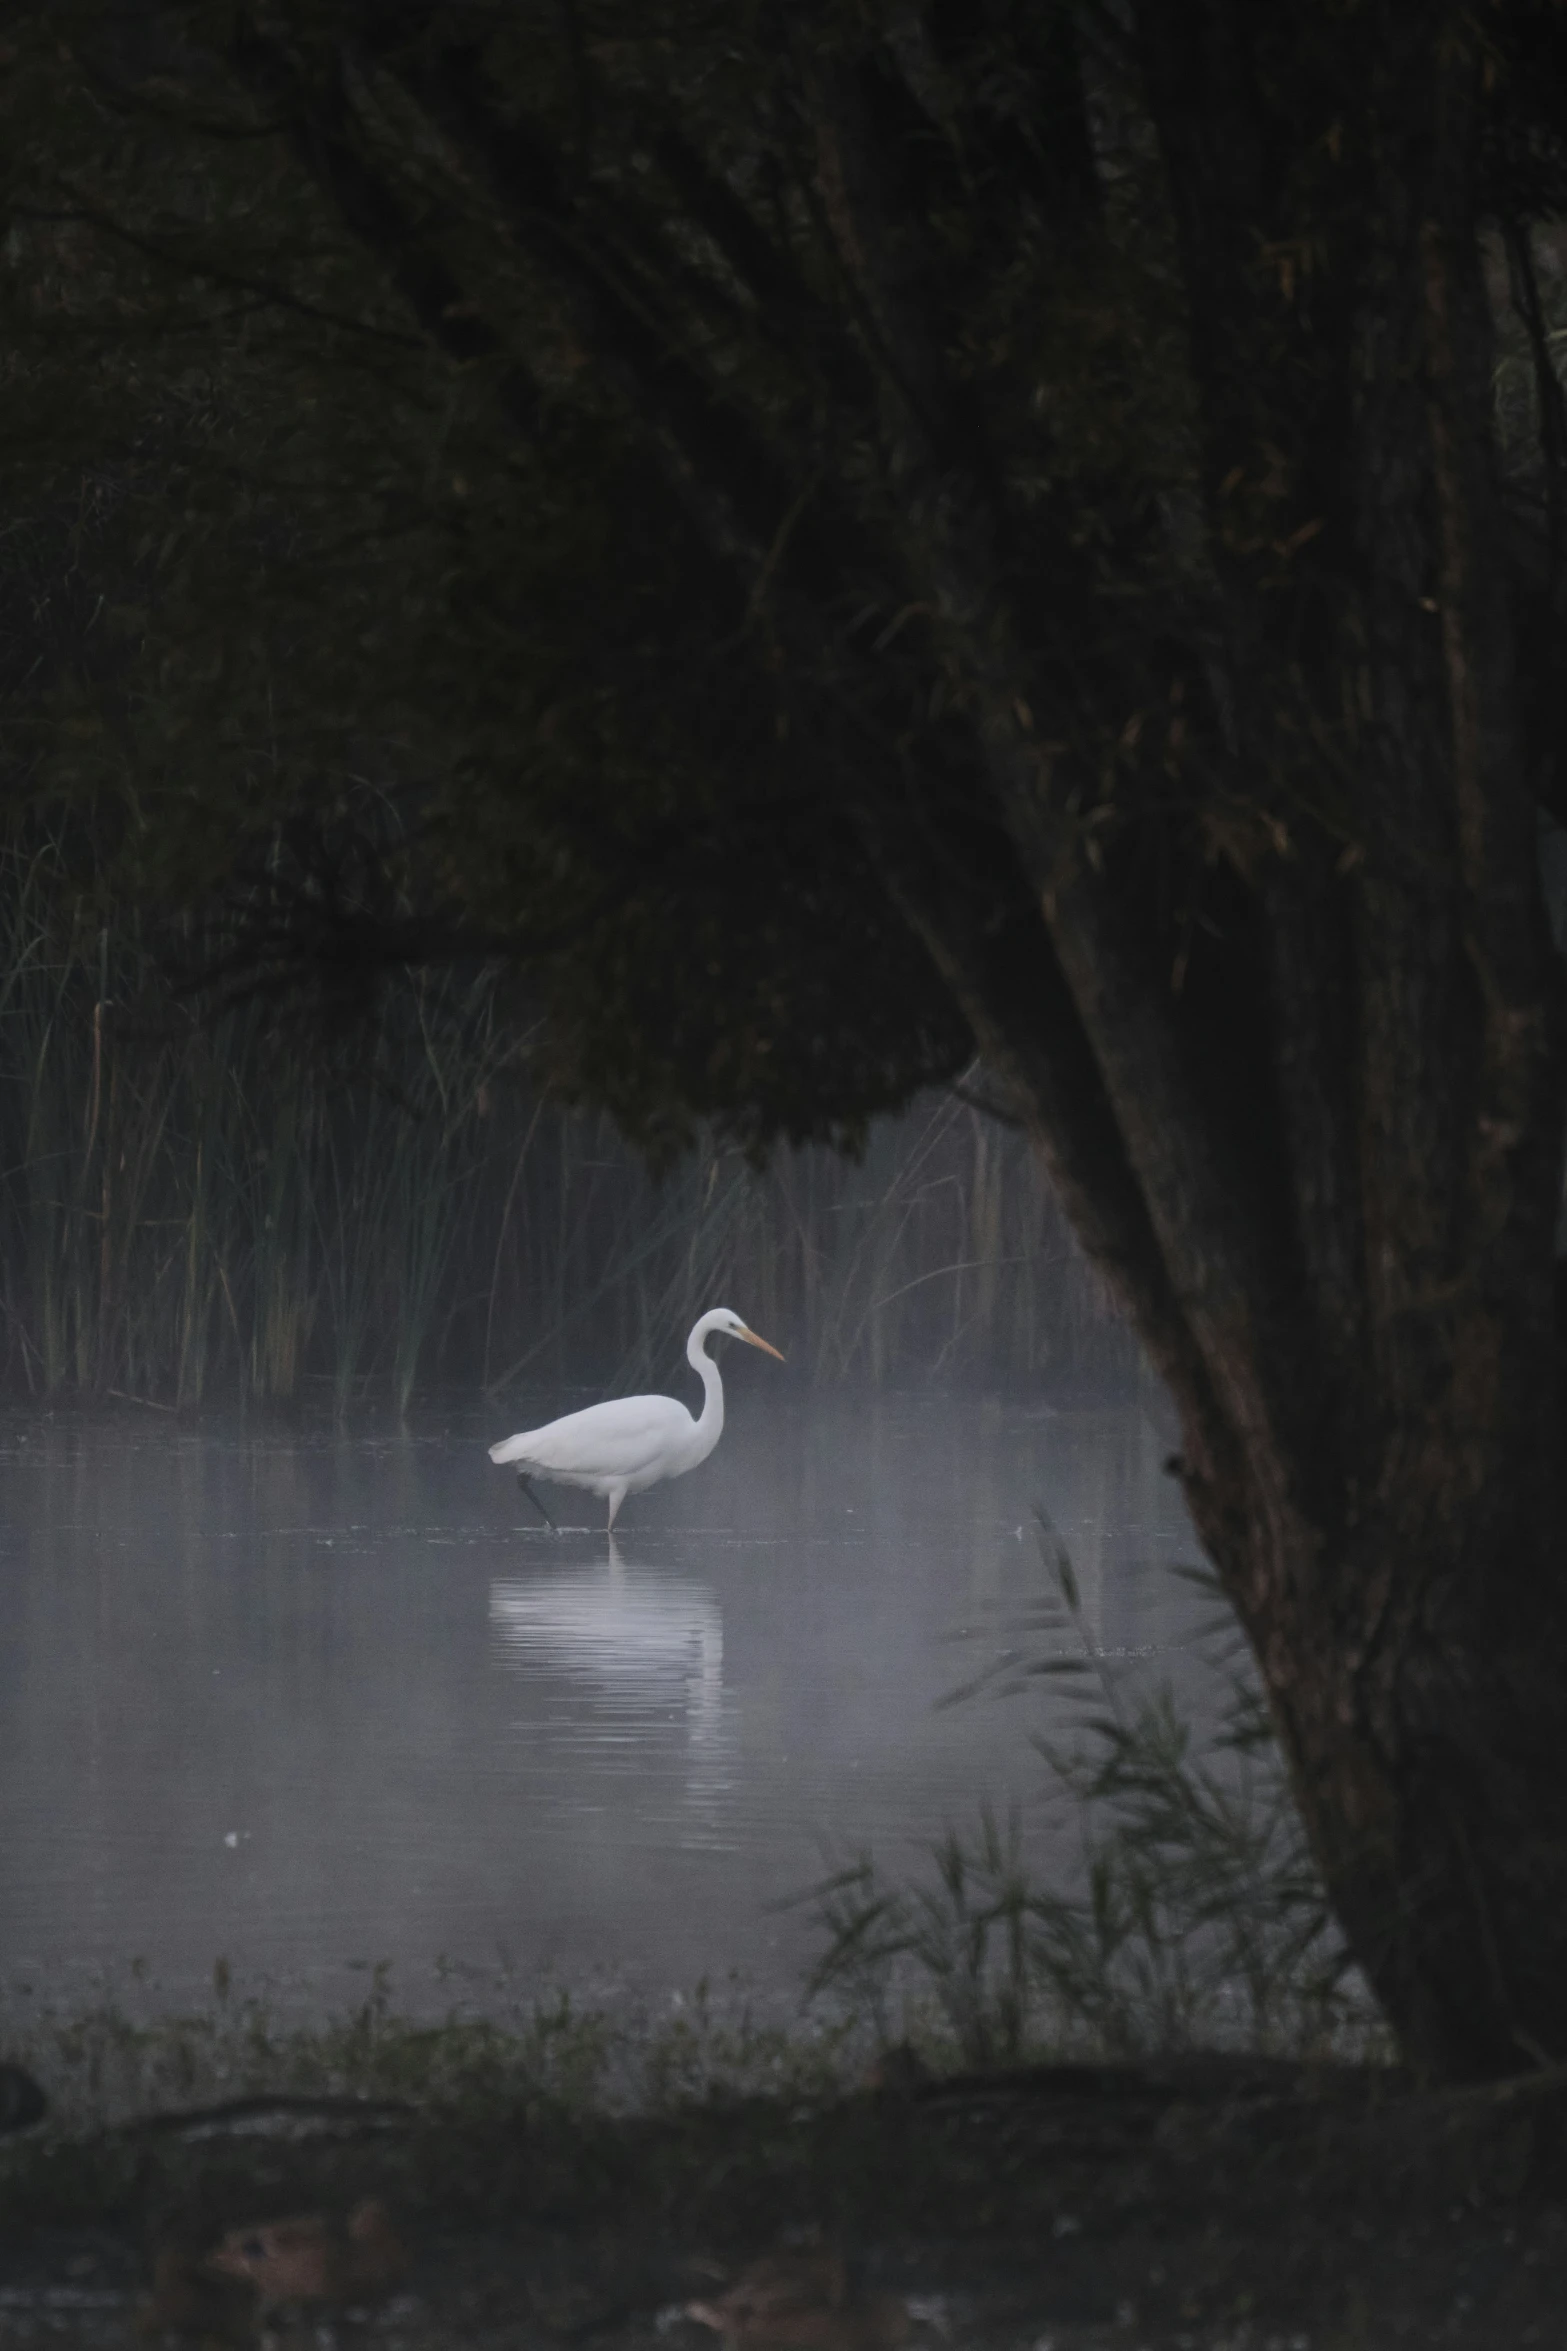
{"points": [[752, 1340]]}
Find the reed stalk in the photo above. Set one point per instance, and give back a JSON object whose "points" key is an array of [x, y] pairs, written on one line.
{"points": [[192, 1207]]}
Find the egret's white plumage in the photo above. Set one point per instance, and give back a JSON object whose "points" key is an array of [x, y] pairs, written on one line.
{"points": [[634, 1442]]}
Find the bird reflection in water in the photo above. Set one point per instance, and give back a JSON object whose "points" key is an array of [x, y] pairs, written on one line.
{"points": [[635, 1641]]}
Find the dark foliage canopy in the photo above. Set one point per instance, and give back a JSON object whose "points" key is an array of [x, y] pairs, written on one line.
{"points": [[498, 481]]}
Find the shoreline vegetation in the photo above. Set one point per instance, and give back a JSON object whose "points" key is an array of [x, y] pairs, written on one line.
{"points": [[201, 1205]]}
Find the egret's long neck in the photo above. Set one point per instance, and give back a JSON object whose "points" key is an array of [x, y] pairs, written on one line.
{"points": [[710, 1421]]}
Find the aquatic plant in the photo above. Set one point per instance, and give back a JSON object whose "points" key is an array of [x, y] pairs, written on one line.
{"points": [[1194, 1918]]}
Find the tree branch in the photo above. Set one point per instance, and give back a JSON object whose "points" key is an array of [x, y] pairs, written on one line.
{"points": [[319, 125], [725, 478]]}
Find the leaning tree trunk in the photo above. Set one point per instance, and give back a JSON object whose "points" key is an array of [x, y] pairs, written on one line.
{"points": [[1385, 1500], [1332, 1212], [1330, 1209]]}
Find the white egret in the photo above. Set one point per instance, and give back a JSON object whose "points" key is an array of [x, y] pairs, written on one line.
{"points": [[633, 1442]]}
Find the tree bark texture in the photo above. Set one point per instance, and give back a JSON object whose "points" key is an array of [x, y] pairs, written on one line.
{"points": [[1214, 805]]}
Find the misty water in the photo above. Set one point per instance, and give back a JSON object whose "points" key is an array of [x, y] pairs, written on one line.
{"points": [[306, 1698]]}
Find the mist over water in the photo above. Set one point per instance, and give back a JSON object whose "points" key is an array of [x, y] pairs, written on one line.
{"points": [[304, 1698]]}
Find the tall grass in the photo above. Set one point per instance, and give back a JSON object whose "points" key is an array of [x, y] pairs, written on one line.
{"points": [[193, 1206], [1195, 1918]]}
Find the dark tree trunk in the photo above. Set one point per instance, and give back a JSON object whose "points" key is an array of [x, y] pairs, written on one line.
{"points": [[1336, 1237], [1356, 1324]]}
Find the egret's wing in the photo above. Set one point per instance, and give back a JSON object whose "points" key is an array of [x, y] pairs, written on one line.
{"points": [[618, 1439]]}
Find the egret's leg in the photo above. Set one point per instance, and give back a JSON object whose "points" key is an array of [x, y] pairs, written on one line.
{"points": [[522, 1480]]}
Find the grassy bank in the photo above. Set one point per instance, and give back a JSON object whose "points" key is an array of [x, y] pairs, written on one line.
{"points": [[1209, 2206], [194, 1204]]}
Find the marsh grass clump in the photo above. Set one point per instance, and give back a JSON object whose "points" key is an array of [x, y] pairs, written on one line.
{"points": [[499, 2049], [1193, 1918]]}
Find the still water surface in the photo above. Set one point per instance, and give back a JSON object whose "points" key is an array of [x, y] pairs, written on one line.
{"points": [[305, 1697]]}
